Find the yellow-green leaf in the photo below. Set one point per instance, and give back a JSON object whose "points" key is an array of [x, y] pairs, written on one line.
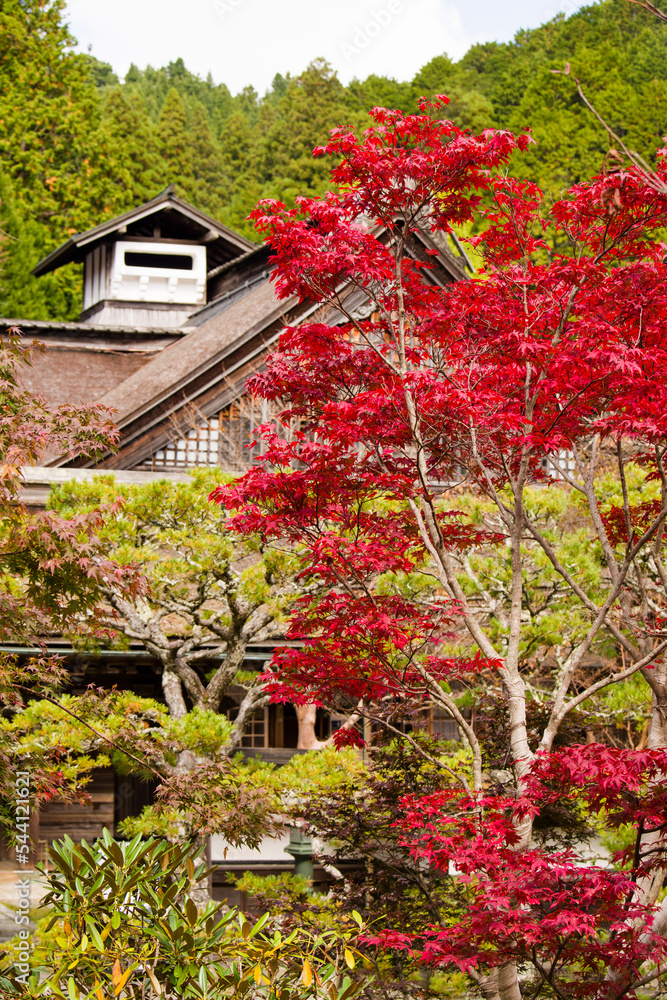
{"points": [[349, 958], [154, 982], [98, 940]]}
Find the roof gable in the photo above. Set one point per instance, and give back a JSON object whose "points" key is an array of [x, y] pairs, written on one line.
{"points": [[166, 217]]}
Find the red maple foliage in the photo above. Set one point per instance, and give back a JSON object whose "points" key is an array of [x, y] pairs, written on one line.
{"points": [[578, 925], [549, 367]]}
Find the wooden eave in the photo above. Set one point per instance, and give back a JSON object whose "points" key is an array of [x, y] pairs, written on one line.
{"points": [[209, 367], [223, 243]]}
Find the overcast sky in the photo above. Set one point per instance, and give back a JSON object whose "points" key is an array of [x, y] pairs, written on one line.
{"points": [[243, 42]]}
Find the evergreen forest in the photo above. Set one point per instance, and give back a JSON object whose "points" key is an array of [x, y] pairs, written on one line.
{"points": [[79, 145]]}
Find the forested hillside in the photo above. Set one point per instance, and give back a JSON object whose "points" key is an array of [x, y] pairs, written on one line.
{"points": [[78, 145]]}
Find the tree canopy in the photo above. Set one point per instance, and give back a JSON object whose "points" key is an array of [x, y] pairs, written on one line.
{"points": [[444, 431], [92, 146]]}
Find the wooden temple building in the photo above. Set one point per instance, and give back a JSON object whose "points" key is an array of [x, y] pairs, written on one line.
{"points": [[178, 311]]}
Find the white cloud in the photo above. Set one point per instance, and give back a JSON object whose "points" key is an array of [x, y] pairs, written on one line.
{"points": [[243, 42]]}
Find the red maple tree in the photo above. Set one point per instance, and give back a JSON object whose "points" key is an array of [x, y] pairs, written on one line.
{"points": [[548, 369]]}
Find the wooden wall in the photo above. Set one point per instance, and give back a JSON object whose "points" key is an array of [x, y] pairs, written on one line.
{"points": [[57, 818]]}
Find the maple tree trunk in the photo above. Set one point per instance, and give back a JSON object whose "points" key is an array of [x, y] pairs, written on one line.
{"points": [[508, 982], [489, 986], [657, 680]]}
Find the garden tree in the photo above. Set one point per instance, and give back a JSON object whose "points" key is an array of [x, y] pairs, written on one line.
{"points": [[49, 575], [124, 920], [201, 788], [132, 161], [174, 143], [549, 369], [393, 890], [48, 131], [209, 594], [49, 568], [553, 624]]}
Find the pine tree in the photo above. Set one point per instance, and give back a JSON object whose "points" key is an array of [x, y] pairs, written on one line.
{"points": [[174, 145], [49, 151], [132, 162], [314, 103], [210, 188]]}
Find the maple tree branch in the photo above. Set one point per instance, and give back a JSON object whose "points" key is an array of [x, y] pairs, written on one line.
{"points": [[612, 679], [448, 577], [448, 703], [648, 978], [580, 593], [624, 487], [596, 517], [494, 606], [547, 977], [651, 8], [424, 753]]}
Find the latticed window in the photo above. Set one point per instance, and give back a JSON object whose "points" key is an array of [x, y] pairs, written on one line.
{"points": [[563, 463], [257, 726], [257, 730], [443, 725], [223, 440], [199, 446]]}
